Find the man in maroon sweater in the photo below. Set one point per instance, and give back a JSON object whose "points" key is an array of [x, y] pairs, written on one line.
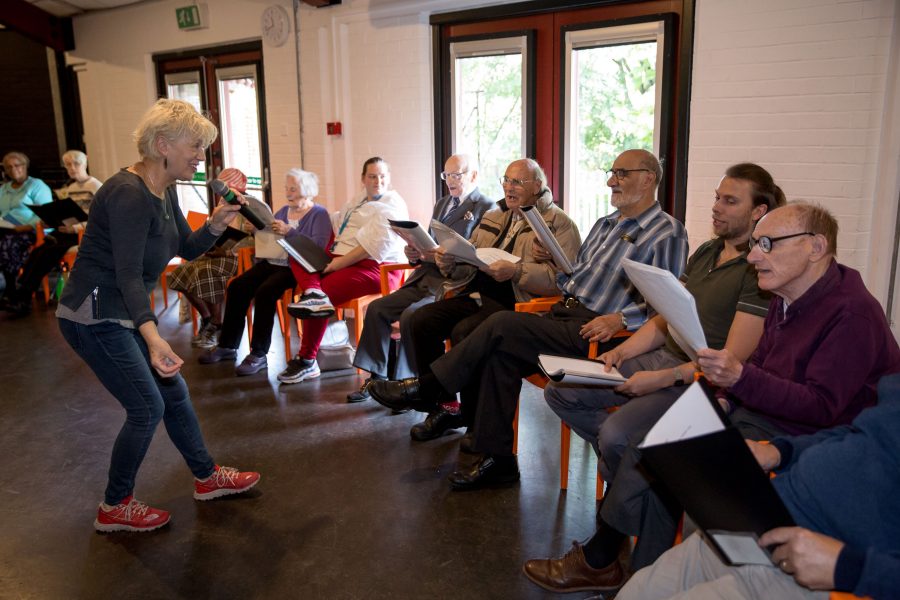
{"points": [[825, 345]]}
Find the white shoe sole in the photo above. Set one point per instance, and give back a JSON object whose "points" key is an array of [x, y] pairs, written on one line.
{"points": [[223, 492], [300, 378], [308, 313], [110, 527]]}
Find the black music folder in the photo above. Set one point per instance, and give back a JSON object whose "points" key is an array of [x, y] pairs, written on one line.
{"points": [[306, 251], [706, 464], [230, 238], [59, 212]]}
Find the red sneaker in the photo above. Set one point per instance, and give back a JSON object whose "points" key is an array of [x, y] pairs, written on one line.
{"points": [[130, 515], [224, 482]]}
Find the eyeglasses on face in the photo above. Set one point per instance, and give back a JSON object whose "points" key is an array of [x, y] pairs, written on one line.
{"points": [[621, 174], [765, 242], [514, 182], [454, 176]]}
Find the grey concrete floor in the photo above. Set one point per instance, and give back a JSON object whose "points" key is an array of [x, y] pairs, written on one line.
{"points": [[348, 506]]}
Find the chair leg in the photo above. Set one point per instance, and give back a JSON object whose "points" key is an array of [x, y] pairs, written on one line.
{"points": [[153, 300], [599, 485], [164, 286], [194, 326], [46, 285], [565, 437], [515, 448]]}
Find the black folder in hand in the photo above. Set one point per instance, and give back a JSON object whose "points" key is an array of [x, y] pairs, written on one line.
{"points": [[59, 212], [230, 238], [306, 251], [706, 464]]}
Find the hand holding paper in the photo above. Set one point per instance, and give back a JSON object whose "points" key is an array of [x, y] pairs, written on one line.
{"points": [[720, 367]]}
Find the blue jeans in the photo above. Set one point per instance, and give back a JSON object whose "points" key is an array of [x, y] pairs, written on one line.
{"points": [[119, 358]]}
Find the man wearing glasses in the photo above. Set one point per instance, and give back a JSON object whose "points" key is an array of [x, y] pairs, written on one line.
{"points": [[461, 210], [825, 345], [479, 293], [598, 302]]}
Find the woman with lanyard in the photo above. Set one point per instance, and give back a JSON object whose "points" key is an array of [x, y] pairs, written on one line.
{"points": [[265, 282], [363, 242], [135, 227]]}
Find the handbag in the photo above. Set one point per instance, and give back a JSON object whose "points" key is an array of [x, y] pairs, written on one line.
{"points": [[336, 352]]}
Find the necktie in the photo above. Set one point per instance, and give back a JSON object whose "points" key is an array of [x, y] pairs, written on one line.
{"points": [[454, 202]]}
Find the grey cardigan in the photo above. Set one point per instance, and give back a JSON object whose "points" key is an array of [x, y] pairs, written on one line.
{"points": [[130, 237]]}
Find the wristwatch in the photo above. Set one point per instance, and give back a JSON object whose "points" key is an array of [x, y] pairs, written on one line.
{"points": [[679, 378], [624, 322]]}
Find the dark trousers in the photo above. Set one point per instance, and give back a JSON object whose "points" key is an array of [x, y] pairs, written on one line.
{"points": [[498, 354], [41, 261], [263, 284], [372, 350], [454, 319]]}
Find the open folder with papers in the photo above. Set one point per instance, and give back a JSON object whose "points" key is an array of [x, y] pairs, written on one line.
{"points": [[706, 464], [662, 290], [579, 371], [463, 250], [414, 235]]}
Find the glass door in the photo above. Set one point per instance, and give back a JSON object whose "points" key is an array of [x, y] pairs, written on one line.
{"points": [[192, 195], [612, 101], [488, 79], [239, 124]]}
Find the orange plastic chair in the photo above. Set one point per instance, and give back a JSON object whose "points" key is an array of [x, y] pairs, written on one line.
{"points": [[542, 305], [358, 305]]}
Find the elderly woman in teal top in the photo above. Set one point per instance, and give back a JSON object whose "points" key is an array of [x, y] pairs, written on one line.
{"points": [[17, 229], [134, 228]]}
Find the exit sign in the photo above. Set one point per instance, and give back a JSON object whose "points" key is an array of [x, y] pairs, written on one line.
{"points": [[190, 17]]}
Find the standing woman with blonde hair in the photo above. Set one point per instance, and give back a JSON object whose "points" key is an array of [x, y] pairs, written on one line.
{"points": [[135, 227]]}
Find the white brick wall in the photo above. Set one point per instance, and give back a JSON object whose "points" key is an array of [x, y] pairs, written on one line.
{"points": [[797, 86], [117, 81]]}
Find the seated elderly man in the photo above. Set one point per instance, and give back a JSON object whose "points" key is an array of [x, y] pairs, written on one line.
{"points": [[825, 345], [731, 308], [481, 293], [598, 302], [461, 210], [840, 486]]}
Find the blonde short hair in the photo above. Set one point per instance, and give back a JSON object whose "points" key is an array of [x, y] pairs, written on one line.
{"points": [[172, 119]]}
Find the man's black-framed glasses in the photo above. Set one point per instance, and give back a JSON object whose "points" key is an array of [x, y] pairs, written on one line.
{"points": [[622, 173], [765, 242], [455, 176]]}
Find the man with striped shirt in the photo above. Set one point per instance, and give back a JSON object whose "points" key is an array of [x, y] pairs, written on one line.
{"points": [[598, 302]]}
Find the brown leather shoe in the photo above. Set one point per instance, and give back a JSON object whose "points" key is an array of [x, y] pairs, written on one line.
{"points": [[571, 573]]}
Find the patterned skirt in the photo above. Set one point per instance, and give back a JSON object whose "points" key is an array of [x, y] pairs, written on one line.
{"points": [[14, 249], [204, 277]]}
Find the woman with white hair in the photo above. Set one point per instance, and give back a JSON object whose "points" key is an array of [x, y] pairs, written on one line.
{"points": [[134, 229], [265, 283], [80, 188]]}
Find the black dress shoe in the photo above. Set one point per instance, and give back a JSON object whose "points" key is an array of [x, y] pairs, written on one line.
{"points": [[486, 472], [362, 394], [436, 424], [400, 395], [467, 444]]}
